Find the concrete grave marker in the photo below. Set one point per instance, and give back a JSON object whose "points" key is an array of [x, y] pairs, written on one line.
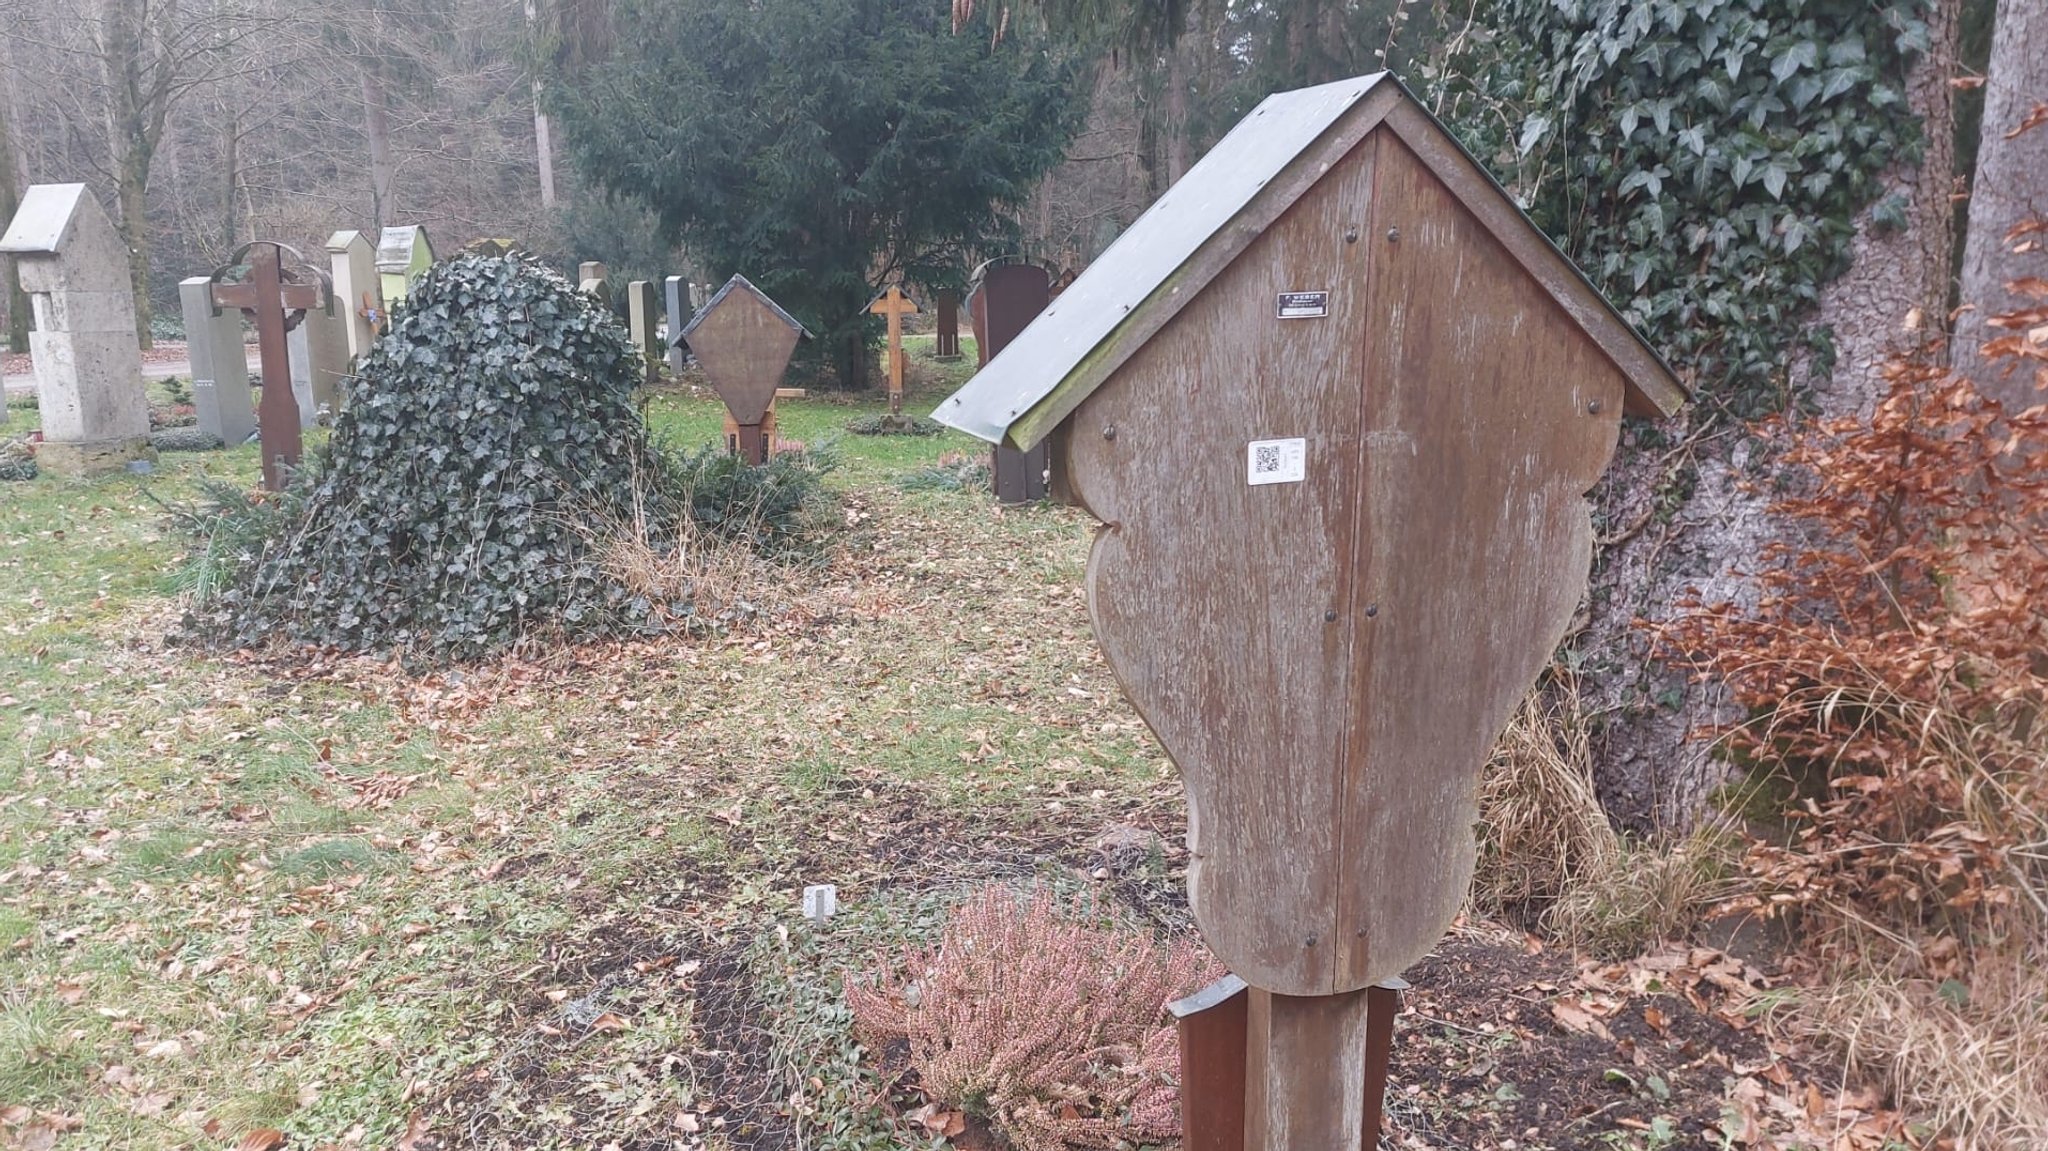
{"points": [[403, 255], [1342, 403], [744, 340], [642, 321], [593, 277], [71, 262], [358, 292], [220, 365]]}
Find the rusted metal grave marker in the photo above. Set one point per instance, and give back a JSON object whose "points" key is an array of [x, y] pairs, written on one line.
{"points": [[1337, 405], [276, 296], [744, 340], [946, 341], [1011, 296]]}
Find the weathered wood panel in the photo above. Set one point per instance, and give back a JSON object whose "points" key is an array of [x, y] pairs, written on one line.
{"points": [[744, 346], [1489, 415], [1329, 661], [1304, 1061], [1216, 603]]}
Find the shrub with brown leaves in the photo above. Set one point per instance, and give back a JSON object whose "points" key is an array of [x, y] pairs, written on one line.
{"points": [[1898, 661], [1042, 1014]]}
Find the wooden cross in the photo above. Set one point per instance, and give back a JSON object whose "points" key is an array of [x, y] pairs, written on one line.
{"points": [[276, 305], [894, 305]]}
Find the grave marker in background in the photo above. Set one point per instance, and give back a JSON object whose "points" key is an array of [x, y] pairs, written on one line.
{"points": [[1012, 295], [893, 305], [1343, 403], [593, 277], [642, 320], [675, 295], [403, 255], [95, 414], [320, 367], [220, 366], [356, 288], [947, 345], [743, 340], [276, 295]]}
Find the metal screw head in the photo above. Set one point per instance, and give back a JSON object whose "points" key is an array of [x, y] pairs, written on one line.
{"points": [[1109, 432], [1309, 942], [1393, 235], [1351, 235], [1371, 610], [1593, 407], [1330, 616]]}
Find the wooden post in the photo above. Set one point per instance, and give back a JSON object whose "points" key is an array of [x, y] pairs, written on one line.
{"points": [[1305, 1072], [894, 305], [266, 297], [948, 342], [1012, 295], [1212, 1026]]}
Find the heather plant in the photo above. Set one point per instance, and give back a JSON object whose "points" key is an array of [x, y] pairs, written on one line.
{"points": [[1042, 1014]]}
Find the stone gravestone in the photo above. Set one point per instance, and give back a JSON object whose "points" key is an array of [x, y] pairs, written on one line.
{"points": [[357, 291], [593, 277], [403, 255], [1012, 295], [88, 369], [220, 366], [948, 339], [642, 321], [1341, 404], [977, 318], [743, 340], [320, 366], [675, 294]]}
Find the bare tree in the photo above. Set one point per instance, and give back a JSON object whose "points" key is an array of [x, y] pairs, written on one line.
{"points": [[2011, 187]]}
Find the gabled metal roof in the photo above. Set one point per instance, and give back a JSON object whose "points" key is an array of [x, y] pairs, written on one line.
{"points": [[1151, 249], [738, 281], [1062, 343]]}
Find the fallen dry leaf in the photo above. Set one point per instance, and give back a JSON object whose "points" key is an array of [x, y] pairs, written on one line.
{"points": [[608, 1022], [1575, 1018], [415, 1127], [261, 1139]]}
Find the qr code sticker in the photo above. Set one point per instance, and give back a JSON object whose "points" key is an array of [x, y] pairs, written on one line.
{"points": [[1276, 462]]}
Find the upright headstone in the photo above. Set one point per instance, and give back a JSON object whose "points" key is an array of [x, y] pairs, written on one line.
{"points": [[643, 321], [88, 369], [698, 294], [949, 325], [1012, 296], [403, 255], [220, 366], [743, 340], [675, 294], [320, 366], [593, 277], [358, 296]]}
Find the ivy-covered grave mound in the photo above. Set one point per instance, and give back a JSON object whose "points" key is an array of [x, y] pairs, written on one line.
{"points": [[489, 440]]}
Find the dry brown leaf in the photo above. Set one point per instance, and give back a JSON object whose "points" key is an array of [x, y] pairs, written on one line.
{"points": [[415, 1128], [261, 1139], [608, 1022], [1575, 1018]]}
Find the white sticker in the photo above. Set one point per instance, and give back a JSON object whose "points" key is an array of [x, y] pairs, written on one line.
{"points": [[1276, 462]]}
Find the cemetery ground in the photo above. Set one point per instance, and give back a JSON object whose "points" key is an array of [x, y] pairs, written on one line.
{"points": [[304, 901]]}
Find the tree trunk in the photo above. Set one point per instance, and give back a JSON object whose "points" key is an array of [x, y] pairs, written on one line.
{"points": [[543, 148], [1175, 130], [128, 140], [377, 127], [1652, 768], [2011, 186], [231, 172], [10, 202]]}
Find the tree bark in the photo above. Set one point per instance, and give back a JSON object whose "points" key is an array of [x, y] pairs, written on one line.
{"points": [[129, 141], [2011, 186], [377, 127], [10, 202], [544, 151], [231, 172], [1652, 767]]}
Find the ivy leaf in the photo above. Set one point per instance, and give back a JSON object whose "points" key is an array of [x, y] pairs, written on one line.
{"points": [[1774, 181], [1532, 130], [1804, 54]]}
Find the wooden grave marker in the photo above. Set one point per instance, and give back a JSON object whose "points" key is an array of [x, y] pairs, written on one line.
{"points": [[744, 340], [1338, 405], [893, 305], [946, 341], [276, 296]]}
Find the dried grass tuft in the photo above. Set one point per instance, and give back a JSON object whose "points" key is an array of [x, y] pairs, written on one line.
{"points": [[1549, 858]]}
